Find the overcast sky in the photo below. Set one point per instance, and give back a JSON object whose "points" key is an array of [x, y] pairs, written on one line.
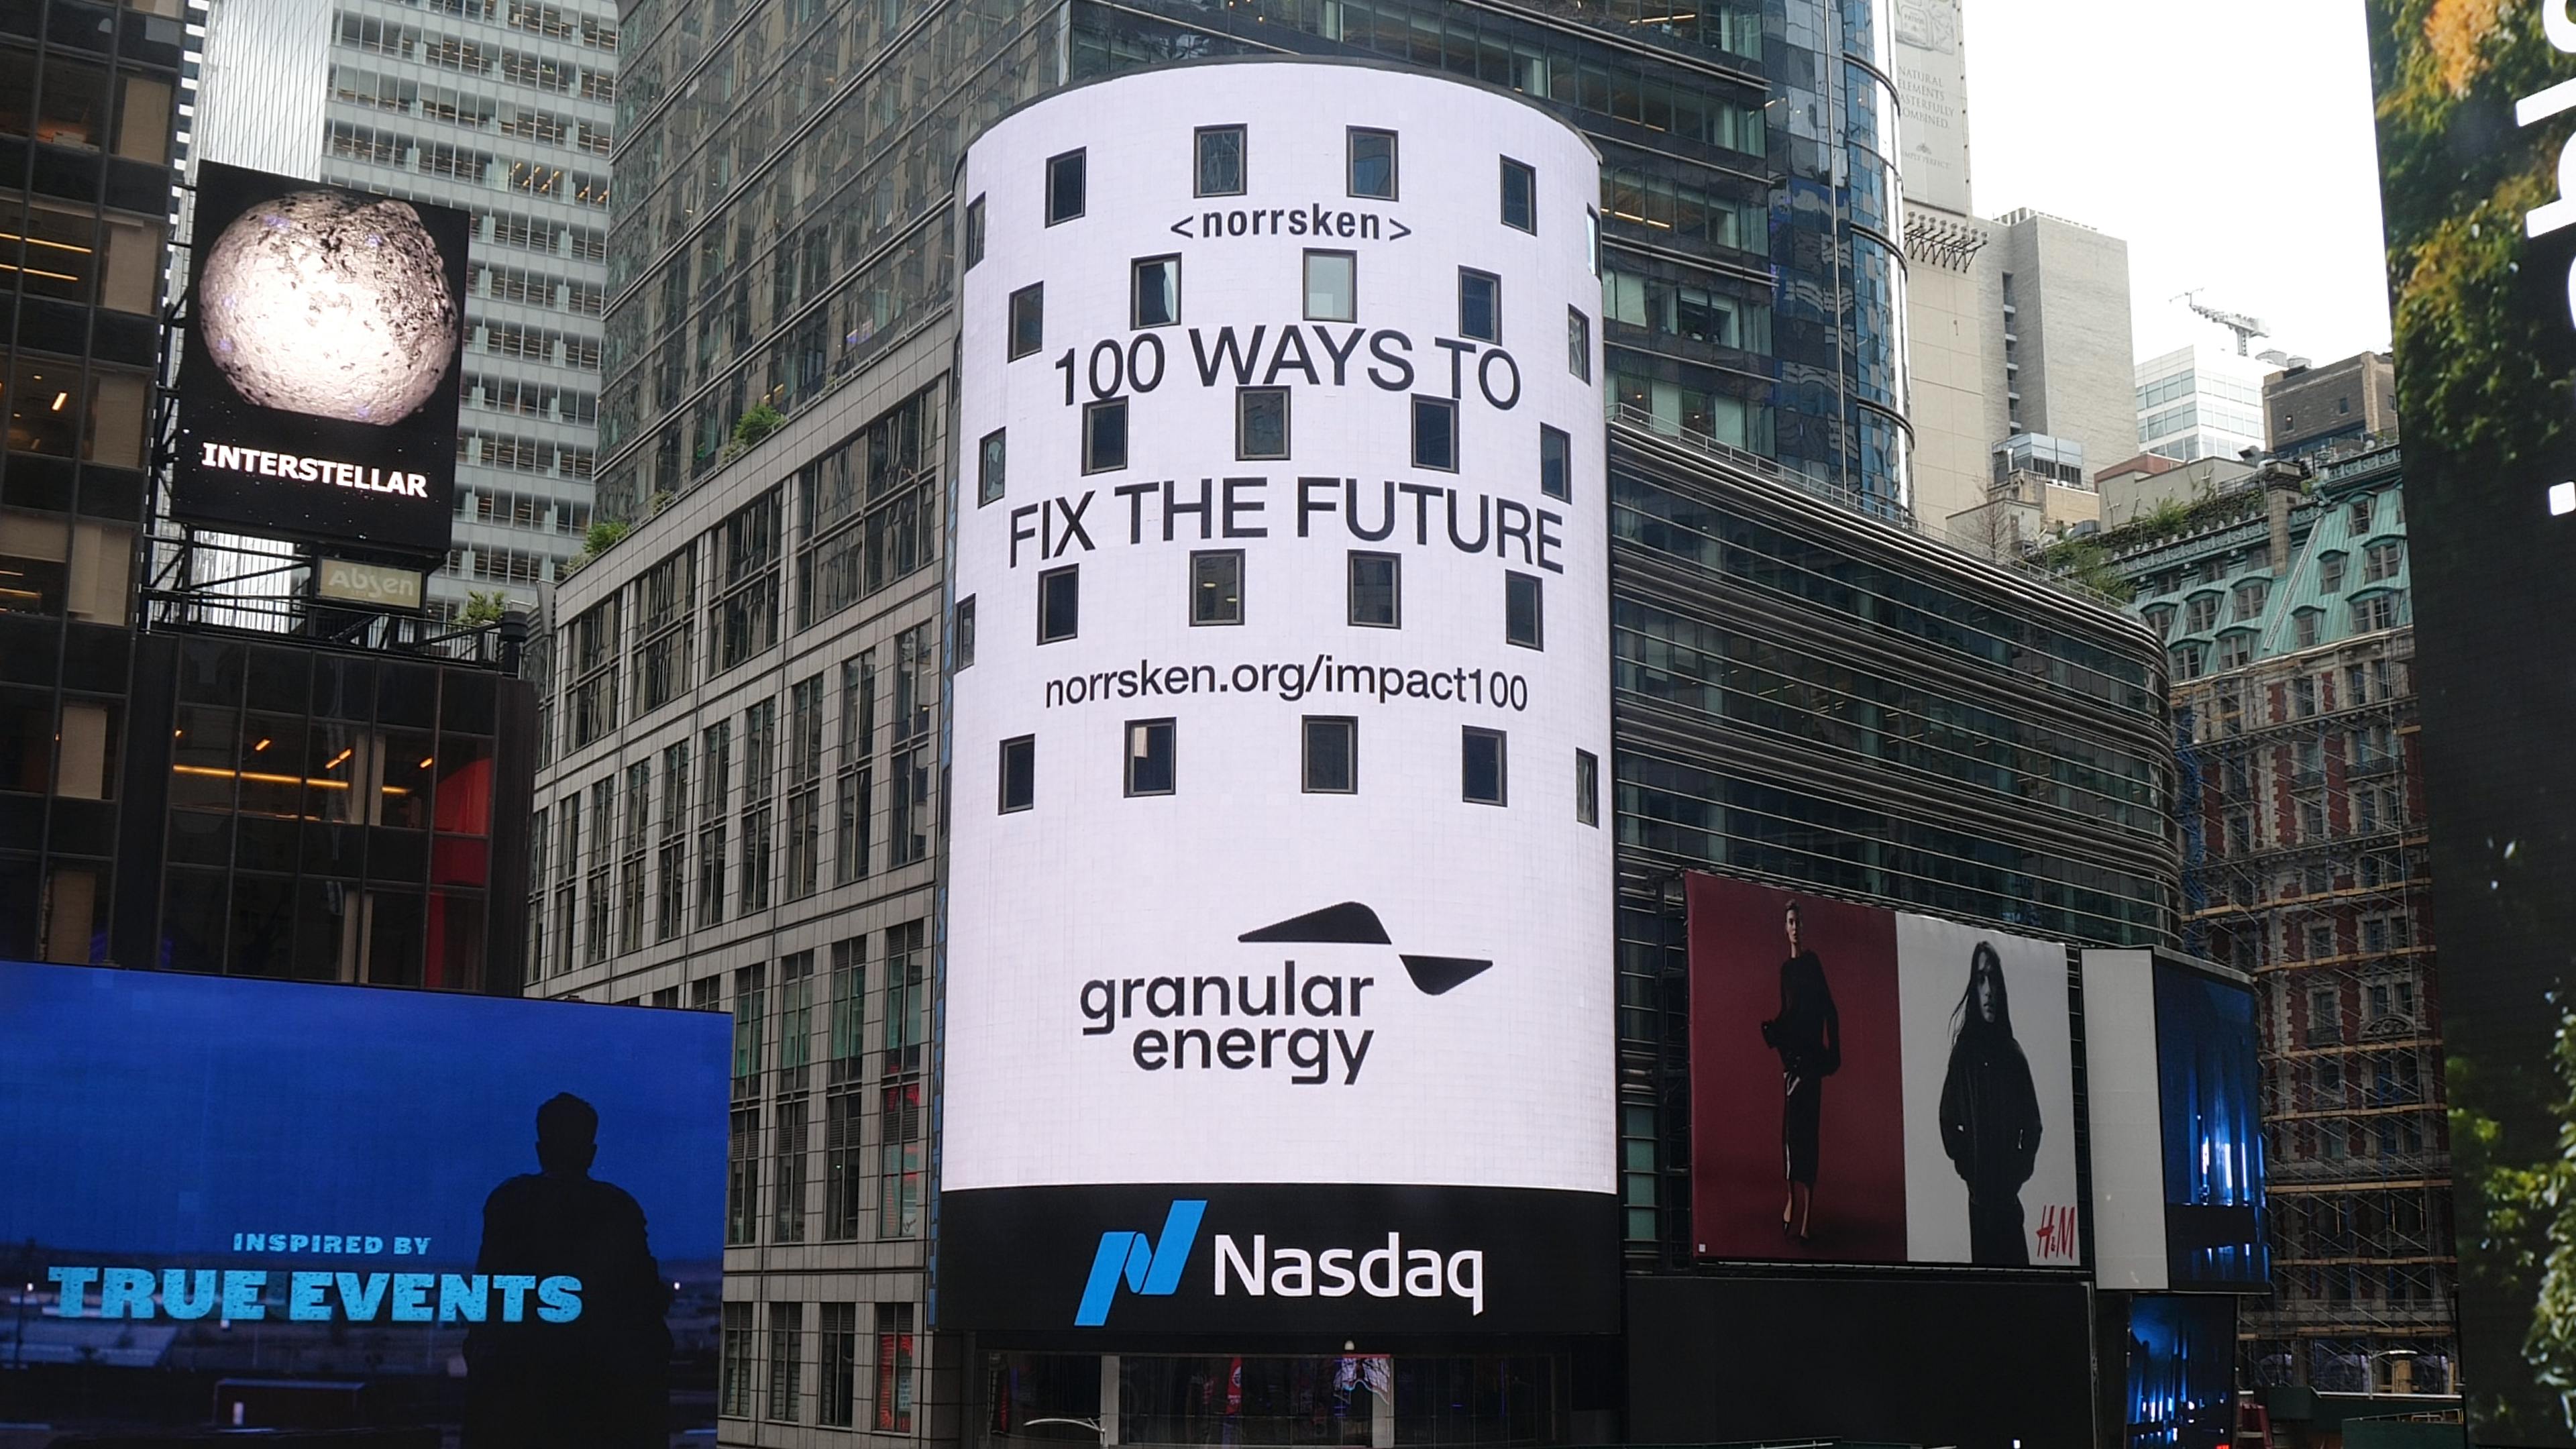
{"points": [[2228, 142]]}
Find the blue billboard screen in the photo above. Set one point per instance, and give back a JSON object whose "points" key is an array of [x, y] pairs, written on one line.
{"points": [[2213, 1136], [496, 1213]]}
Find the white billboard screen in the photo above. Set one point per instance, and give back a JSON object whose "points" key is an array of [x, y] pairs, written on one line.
{"points": [[1278, 880]]}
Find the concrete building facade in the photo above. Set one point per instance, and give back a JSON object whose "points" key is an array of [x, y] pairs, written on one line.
{"points": [[2060, 364], [2311, 409]]}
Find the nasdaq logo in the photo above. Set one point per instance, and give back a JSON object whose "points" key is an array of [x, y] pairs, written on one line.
{"points": [[1150, 1266]]}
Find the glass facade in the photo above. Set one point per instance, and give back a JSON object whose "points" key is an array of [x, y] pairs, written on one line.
{"points": [[785, 226], [1753, 293], [89, 99], [1806, 697]]}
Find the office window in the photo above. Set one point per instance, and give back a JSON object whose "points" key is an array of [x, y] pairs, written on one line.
{"points": [[974, 232], [1019, 773], [2200, 613], [1555, 462], [1520, 195], [2330, 573], [1028, 319], [1587, 788], [1154, 291], [1260, 422], [2380, 561], [1435, 433], [1480, 305], [1064, 184], [1376, 590], [1104, 436], [2362, 511], [1372, 163], [1329, 755], [1220, 161], [1522, 624], [836, 1403], [1578, 343], [1059, 603], [2309, 624], [1216, 586], [962, 636], [991, 457], [1481, 766], [1332, 286], [2250, 597], [786, 1359], [1149, 757], [2378, 611], [894, 1368], [733, 1385]]}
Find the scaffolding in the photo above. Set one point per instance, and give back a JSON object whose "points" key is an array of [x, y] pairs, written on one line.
{"points": [[2302, 831]]}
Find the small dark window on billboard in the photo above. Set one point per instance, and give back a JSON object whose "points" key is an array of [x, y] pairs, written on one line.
{"points": [[318, 383]]}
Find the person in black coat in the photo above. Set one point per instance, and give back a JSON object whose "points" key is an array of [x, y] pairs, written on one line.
{"points": [[1990, 1114], [1808, 1035], [601, 1380]]}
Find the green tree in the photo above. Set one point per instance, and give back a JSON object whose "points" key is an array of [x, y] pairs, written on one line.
{"points": [[482, 608]]}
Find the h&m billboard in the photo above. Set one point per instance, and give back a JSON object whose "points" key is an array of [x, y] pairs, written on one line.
{"points": [[496, 1214], [1870, 1085], [320, 378], [1280, 933]]}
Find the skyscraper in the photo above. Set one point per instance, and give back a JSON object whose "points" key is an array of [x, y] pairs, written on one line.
{"points": [[88, 96], [502, 108], [2200, 401], [2061, 364]]}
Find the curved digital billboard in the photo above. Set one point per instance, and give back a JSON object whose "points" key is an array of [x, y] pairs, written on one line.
{"points": [[1279, 931]]}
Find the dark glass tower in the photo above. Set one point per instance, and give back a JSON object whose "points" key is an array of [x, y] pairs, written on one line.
{"points": [[1753, 295], [88, 95], [1752, 292]]}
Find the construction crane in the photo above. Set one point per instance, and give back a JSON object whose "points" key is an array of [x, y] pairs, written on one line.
{"points": [[2246, 328]]}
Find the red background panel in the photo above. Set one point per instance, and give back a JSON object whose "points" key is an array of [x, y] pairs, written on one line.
{"points": [[1738, 1176]]}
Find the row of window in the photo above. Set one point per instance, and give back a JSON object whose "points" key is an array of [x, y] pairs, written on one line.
{"points": [[742, 1392], [405, 42], [1328, 763], [1261, 434], [1220, 159], [2235, 648], [464, 108], [1375, 597]]}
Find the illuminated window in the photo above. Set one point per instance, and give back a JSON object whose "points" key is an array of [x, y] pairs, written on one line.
{"points": [[1521, 615], [1332, 286], [1104, 435], [1587, 788], [962, 640], [1154, 292], [1435, 433], [1216, 586], [1578, 343], [1064, 187], [1220, 161], [1480, 305], [990, 456], [1028, 319], [974, 231], [1376, 590], [1481, 766], [1372, 163], [1330, 757], [1059, 603], [1520, 195], [1555, 462], [1149, 757], [1260, 422], [1019, 773]]}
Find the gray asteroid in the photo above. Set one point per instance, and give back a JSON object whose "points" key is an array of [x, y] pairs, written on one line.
{"points": [[329, 304]]}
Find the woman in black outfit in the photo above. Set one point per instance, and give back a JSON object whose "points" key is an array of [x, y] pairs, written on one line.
{"points": [[1808, 1035], [1990, 1114]]}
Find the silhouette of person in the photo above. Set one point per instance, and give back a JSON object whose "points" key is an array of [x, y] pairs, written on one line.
{"points": [[601, 1381], [1990, 1114], [1808, 1035]]}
